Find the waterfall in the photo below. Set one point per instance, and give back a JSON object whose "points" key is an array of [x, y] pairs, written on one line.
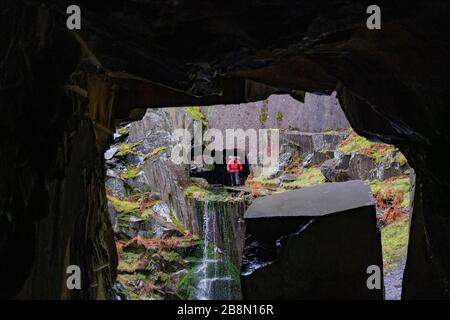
{"points": [[217, 279]]}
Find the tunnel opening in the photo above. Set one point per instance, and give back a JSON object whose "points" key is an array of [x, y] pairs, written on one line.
{"points": [[217, 172], [152, 198], [59, 184]]}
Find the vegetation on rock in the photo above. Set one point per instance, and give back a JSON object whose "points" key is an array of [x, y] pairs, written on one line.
{"points": [[279, 118], [391, 196], [154, 152], [308, 177], [394, 240], [196, 114], [130, 173], [262, 182], [198, 192], [354, 143], [263, 115], [126, 148], [123, 131]]}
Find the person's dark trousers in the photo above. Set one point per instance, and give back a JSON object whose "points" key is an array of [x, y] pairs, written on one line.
{"points": [[234, 177]]}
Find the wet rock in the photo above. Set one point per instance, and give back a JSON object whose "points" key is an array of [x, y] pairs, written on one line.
{"points": [[312, 243]]}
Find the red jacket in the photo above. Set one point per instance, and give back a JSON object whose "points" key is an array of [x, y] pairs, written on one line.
{"points": [[234, 166]]}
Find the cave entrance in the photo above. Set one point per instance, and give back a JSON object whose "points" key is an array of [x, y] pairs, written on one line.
{"points": [[216, 174], [152, 197]]}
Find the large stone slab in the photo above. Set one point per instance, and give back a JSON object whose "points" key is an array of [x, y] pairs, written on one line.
{"points": [[312, 243]]}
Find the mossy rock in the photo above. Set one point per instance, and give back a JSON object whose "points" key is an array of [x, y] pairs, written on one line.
{"points": [[309, 177], [123, 131], [262, 182], [154, 152], [195, 191], [130, 173], [354, 143], [196, 114], [126, 148]]}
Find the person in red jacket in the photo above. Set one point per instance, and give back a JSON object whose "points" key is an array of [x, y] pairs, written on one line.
{"points": [[234, 167]]}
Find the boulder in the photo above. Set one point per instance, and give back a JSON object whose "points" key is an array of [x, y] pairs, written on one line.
{"points": [[361, 167], [312, 243], [283, 161], [117, 187], [332, 172], [308, 142], [393, 169], [316, 158]]}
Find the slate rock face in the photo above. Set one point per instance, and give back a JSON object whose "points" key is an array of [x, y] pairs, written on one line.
{"points": [[283, 112], [309, 142], [360, 166], [313, 243], [335, 170]]}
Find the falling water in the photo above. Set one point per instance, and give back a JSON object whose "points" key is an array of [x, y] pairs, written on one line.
{"points": [[215, 281]]}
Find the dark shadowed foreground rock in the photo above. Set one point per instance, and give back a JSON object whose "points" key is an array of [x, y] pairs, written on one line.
{"points": [[313, 243]]}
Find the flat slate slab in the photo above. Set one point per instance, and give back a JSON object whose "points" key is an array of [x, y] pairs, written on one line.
{"points": [[313, 201], [312, 243]]}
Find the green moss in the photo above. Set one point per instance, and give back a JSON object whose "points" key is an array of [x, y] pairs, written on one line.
{"points": [[126, 148], [124, 209], [279, 118], [178, 224], [262, 182], [394, 239], [123, 131], [401, 159], [164, 278], [197, 192], [154, 152], [309, 177], [196, 114], [263, 115], [398, 184], [130, 173], [148, 212], [187, 286], [354, 143], [170, 256]]}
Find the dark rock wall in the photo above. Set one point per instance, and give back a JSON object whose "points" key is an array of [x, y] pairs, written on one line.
{"points": [[283, 262], [392, 84], [52, 199]]}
